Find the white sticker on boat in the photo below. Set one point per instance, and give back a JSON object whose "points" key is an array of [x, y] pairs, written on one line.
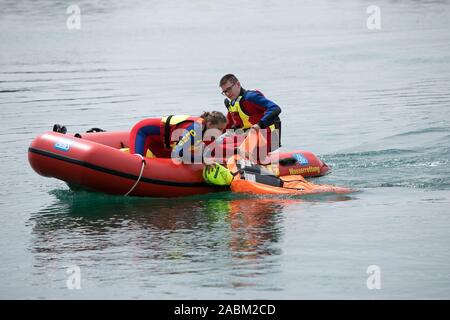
{"points": [[301, 159], [63, 144]]}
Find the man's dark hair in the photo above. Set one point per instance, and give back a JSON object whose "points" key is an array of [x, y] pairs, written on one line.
{"points": [[228, 77]]}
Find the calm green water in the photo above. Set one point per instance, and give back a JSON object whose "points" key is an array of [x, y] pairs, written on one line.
{"points": [[375, 105]]}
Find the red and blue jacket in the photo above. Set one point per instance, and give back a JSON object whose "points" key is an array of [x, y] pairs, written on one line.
{"points": [[251, 107]]}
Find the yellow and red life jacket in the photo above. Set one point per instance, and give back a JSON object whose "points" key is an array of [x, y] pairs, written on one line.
{"points": [[238, 113]]}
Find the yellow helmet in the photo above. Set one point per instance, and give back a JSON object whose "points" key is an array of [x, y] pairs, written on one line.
{"points": [[217, 174]]}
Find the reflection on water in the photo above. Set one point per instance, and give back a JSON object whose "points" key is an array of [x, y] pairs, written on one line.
{"points": [[223, 239], [159, 223]]}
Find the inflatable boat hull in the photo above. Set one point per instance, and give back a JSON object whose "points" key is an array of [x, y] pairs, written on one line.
{"points": [[95, 162]]}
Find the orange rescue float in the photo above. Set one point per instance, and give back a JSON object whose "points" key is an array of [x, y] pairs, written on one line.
{"points": [[254, 179]]}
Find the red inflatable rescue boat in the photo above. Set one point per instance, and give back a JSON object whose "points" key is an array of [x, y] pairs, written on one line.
{"points": [[97, 161]]}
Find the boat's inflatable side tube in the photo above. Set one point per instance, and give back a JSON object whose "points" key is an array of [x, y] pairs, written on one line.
{"points": [[300, 162], [107, 169]]}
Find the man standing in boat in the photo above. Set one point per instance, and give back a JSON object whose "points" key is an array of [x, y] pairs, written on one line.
{"points": [[250, 109]]}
